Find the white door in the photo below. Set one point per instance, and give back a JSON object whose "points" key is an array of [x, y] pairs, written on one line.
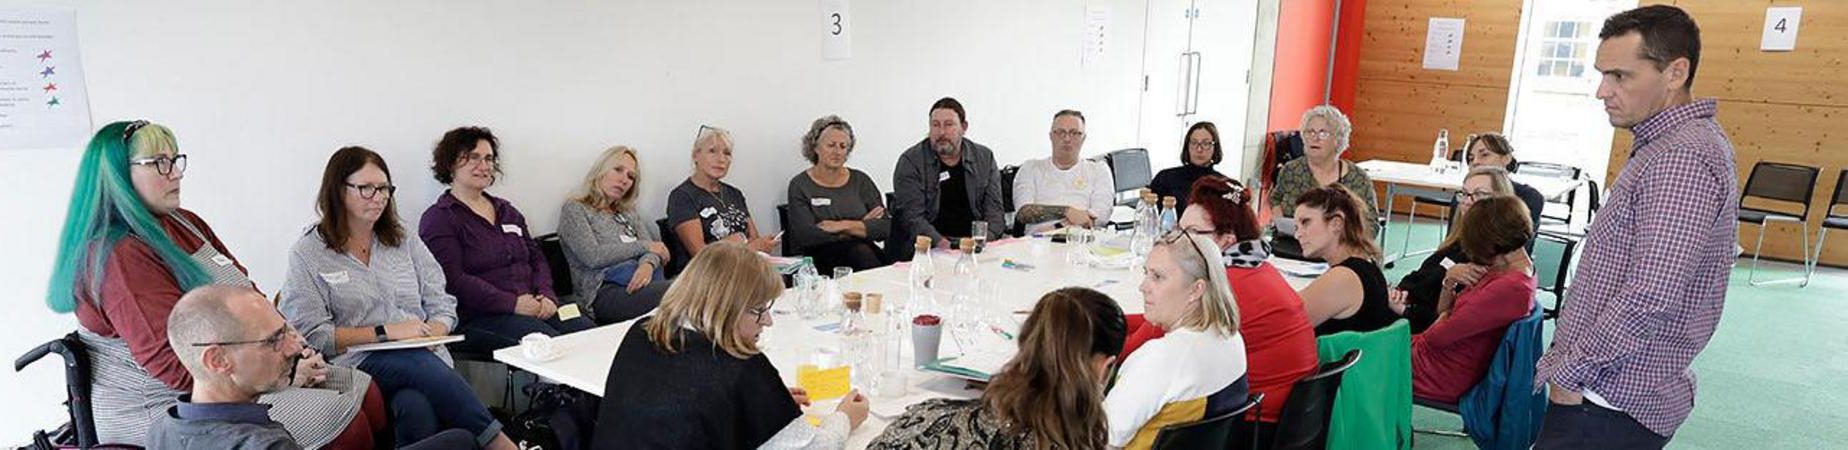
{"points": [[1196, 67]]}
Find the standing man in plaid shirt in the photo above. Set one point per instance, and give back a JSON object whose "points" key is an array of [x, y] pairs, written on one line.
{"points": [[1650, 288]]}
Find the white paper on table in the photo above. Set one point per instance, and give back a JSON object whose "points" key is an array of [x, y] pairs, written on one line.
{"points": [[1298, 268], [1443, 43], [405, 343]]}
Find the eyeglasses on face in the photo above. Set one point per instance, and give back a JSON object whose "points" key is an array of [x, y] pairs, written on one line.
{"points": [[471, 158], [369, 191], [273, 342], [1317, 134], [163, 164]]}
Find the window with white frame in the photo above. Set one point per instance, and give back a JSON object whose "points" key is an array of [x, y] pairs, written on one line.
{"points": [[1564, 48]]}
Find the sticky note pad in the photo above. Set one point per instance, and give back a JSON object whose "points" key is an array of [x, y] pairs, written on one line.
{"points": [[569, 312], [824, 384]]}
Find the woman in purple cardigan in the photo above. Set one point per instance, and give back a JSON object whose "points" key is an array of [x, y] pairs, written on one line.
{"points": [[502, 284]]}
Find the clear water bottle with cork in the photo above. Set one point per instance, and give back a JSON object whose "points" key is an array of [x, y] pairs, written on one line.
{"points": [[1169, 215]]}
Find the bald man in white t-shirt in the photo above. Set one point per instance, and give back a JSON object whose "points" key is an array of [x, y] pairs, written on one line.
{"points": [[1063, 190]]}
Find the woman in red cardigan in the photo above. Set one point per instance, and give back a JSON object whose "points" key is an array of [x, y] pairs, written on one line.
{"points": [[1279, 342]]}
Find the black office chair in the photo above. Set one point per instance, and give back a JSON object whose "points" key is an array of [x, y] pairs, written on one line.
{"points": [[1830, 220], [1130, 170], [1212, 433], [1785, 183], [676, 251], [1303, 422], [1554, 278], [782, 221], [554, 250]]}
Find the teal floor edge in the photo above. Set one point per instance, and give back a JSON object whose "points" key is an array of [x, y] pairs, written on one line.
{"points": [[1775, 375]]}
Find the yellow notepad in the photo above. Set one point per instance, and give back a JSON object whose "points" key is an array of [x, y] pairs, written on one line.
{"points": [[824, 384]]}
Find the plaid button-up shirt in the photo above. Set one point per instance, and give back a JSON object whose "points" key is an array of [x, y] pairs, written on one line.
{"points": [[1652, 279]]}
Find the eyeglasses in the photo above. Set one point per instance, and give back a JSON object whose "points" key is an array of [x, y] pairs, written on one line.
{"points": [[1317, 134], [1201, 144], [129, 132], [470, 158], [762, 312], [1177, 235], [1473, 196], [163, 164], [1067, 134], [368, 191], [274, 342]]}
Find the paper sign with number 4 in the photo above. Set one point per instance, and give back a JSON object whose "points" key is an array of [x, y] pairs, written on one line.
{"points": [[1781, 28]]}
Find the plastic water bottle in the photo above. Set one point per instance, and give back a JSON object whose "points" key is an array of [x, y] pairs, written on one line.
{"points": [[1440, 151], [1148, 223], [1168, 214], [806, 290]]}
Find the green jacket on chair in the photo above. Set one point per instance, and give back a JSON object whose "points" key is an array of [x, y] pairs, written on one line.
{"points": [[1373, 409]]}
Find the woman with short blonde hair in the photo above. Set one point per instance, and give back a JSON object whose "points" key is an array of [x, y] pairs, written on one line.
{"points": [[616, 256], [692, 376]]}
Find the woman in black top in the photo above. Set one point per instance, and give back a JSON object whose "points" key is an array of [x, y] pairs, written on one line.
{"points": [[836, 213], [1418, 291], [1351, 296], [1200, 151], [691, 376]]}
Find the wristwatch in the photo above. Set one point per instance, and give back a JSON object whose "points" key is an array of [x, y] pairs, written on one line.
{"points": [[379, 330]]}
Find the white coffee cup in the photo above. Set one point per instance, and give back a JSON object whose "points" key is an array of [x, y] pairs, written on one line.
{"points": [[538, 346]]}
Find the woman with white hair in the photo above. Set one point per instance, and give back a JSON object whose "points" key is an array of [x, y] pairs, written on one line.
{"points": [[704, 209], [1325, 132]]}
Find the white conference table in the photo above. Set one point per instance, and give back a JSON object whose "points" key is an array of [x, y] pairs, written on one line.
{"points": [[1403, 178], [585, 357]]}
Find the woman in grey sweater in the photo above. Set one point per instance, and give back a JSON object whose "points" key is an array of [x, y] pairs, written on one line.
{"points": [[836, 213], [616, 257]]}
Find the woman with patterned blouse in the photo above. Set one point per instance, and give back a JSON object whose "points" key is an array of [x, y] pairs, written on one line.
{"points": [[1049, 396], [1325, 132]]}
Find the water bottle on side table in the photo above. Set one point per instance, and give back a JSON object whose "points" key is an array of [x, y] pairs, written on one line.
{"points": [[1440, 151]]}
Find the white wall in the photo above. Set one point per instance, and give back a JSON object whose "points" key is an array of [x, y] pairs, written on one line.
{"points": [[260, 92]]}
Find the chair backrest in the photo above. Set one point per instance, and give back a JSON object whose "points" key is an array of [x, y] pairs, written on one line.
{"points": [[1303, 421], [1130, 168], [676, 251], [1783, 182], [1841, 193], [1547, 169], [554, 250], [782, 222], [1212, 433], [76, 382], [1007, 187], [1561, 248]]}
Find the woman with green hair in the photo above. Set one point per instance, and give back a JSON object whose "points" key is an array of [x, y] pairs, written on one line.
{"points": [[127, 254]]}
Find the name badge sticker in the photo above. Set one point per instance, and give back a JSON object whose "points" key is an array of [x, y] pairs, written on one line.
{"points": [[942, 176], [1447, 263], [821, 201], [627, 239], [222, 260], [335, 277], [510, 229]]}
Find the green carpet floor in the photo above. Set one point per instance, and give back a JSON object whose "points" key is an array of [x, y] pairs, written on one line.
{"points": [[1774, 377]]}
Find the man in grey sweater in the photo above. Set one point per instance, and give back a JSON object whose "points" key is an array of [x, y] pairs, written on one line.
{"points": [[946, 182], [237, 347]]}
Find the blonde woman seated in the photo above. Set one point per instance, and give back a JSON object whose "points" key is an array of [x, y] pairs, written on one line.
{"points": [[1197, 368], [1050, 396], [616, 256], [691, 375]]}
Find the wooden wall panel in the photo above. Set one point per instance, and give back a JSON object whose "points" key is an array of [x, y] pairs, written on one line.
{"points": [[1776, 106]]}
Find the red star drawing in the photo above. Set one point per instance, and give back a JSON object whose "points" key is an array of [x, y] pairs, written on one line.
{"points": [[51, 87], [42, 56]]}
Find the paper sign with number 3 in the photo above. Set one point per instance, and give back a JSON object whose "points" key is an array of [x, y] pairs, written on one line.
{"points": [[836, 30]]}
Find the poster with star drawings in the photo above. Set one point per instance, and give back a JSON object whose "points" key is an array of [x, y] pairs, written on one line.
{"points": [[43, 103]]}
